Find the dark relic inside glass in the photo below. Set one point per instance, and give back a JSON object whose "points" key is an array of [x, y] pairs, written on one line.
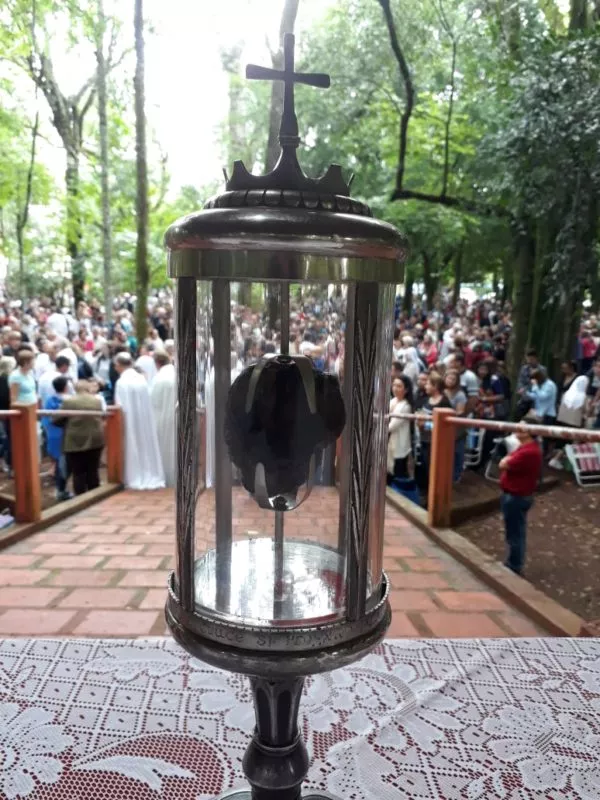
{"points": [[279, 542]]}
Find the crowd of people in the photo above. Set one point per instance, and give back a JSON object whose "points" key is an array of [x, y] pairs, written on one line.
{"points": [[445, 357], [80, 362], [458, 360]]}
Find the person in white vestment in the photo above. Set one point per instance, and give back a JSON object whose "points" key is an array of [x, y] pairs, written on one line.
{"points": [[145, 363], [143, 465], [163, 392], [237, 368]]}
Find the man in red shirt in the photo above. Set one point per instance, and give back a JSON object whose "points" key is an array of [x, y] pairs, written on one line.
{"points": [[521, 472]]}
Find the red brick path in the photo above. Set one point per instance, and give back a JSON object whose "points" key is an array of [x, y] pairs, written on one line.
{"points": [[103, 572]]}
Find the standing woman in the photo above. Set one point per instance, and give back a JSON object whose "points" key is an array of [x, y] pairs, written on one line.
{"points": [[458, 401], [436, 398], [22, 380], [400, 440], [84, 439]]}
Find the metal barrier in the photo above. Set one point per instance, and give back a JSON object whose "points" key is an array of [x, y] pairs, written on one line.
{"points": [[26, 455]]}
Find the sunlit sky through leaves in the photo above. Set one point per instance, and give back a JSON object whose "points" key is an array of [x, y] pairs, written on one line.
{"points": [[186, 88]]}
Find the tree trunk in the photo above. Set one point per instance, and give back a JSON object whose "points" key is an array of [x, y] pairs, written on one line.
{"points": [[429, 279], [21, 251], [594, 273], [244, 294], [273, 303], [595, 289], [68, 114], [507, 281], [409, 279], [23, 211], [457, 275], [524, 277], [538, 276], [288, 20], [578, 15], [105, 194], [141, 250], [74, 226], [230, 61]]}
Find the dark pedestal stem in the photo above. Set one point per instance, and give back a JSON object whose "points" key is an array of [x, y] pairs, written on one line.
{"points": [[276, 761]]}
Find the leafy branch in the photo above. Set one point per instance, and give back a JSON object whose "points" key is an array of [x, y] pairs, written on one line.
{"points": [[409, 89], [399, 192]]}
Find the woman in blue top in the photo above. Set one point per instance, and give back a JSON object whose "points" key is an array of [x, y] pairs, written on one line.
{"points": [[22, 381], [543, 393]]}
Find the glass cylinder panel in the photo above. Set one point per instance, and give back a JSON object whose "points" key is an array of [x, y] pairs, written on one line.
{"points": [[286, 460], [368, 345], [270, 413]]}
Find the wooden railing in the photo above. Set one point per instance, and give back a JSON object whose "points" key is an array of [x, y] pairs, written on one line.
{"points": [[443, 438], [25, 453]]}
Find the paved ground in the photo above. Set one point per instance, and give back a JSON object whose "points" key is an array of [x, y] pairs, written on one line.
{"points": [[103, 572], [563, 545]]}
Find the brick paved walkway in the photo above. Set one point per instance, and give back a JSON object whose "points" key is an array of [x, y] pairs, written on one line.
{"points": [[103, 571]]}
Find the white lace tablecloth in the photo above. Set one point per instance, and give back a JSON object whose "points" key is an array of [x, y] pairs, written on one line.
{"points": [[461, 719]]}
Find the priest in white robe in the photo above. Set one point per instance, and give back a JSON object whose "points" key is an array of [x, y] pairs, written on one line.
{"points": [[146, 364], [163, 392], [143, 465]]}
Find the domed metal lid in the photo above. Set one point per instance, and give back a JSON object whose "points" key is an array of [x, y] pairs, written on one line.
{"points": [[285, 213]]}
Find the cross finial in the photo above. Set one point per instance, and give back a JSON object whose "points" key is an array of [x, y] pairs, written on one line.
{"points": [[288, 130]]}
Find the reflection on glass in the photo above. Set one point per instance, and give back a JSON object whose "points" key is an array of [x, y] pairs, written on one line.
{"points": [[310, 589]]}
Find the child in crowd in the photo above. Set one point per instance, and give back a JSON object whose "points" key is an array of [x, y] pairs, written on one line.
{"points": [[55, 435]]}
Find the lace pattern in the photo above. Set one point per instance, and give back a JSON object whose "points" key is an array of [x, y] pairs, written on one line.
{"points": [[513, 719]]}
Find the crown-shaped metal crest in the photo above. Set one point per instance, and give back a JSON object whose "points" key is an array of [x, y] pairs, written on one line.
{"points": [[288, 174]]}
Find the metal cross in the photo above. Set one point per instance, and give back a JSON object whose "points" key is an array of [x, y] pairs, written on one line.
{"points": [[288, 130]]}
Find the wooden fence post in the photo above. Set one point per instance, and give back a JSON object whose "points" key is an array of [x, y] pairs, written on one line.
{"points": [[441, 467], [25, 451], [115, 445]]}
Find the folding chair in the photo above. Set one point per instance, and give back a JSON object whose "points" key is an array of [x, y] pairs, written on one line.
{"points": [[474, 447], [585, 461], [417, 446]]}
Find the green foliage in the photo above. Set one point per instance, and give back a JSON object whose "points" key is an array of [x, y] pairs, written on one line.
{"points": [[511, 133]]}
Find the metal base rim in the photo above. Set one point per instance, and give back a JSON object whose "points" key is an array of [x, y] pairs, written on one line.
{"points": [[285, 639], [246, 794], [277, 664]]}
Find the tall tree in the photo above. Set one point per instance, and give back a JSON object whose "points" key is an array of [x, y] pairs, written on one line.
{"points": [[33, 34], [104, 166], [236, 130], [22, 213], [68, 115], [141, 252]]}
